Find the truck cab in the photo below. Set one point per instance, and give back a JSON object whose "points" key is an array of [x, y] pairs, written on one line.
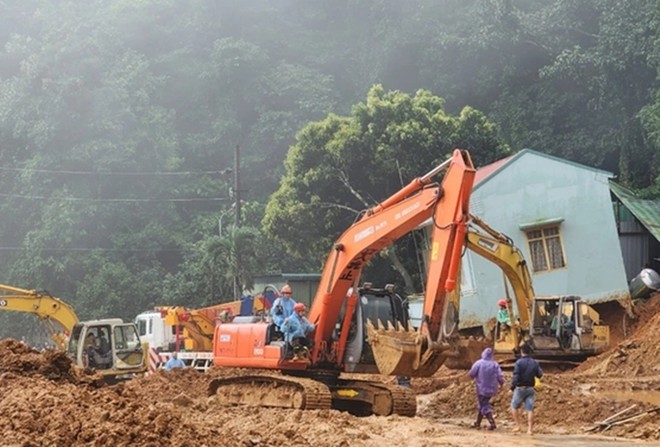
{"points": [[153, 329]]}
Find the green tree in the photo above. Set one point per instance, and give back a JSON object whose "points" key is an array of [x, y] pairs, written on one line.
{"points": [[212, 265], [341, 165]]}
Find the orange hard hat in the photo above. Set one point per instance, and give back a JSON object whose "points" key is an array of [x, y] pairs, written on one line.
{"points": [[286, 289], [501, 303], [298, 307]]}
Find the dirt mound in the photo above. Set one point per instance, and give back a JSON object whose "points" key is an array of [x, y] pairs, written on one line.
{"points": [[639, 354], [18, 358], [562, 401], [47, 401]]}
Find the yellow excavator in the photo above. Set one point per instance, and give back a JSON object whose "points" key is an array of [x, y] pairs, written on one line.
{"points": [[57, 317], [109, 346], [561, 329]]}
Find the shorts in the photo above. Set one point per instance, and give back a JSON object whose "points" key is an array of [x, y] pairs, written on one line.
{"points": [[524, 395]]}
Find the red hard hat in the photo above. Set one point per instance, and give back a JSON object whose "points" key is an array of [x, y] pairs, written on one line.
{"points": [[501, 303], [298, 307], [286, 289]]}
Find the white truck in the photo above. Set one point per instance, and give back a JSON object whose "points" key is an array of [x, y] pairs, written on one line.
{"points": [[189, 332], [162, 339]]}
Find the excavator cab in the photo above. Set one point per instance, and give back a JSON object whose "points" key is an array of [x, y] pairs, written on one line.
{"points": [[566, 327], [375, 307], [110, 347]]}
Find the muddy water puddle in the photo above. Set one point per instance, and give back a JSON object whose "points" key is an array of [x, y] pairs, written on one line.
{"points": [[646, 396], [466, 438], [576, 441]]}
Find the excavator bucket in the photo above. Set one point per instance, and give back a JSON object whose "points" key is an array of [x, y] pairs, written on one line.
{"points": [[402, 352], [468, 351]]}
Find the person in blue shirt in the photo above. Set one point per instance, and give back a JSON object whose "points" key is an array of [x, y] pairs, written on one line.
{"points": [[295, 329], [525, 372], [174, 362], [283, 306]]}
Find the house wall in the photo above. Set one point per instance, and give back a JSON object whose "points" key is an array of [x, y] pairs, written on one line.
{"points": [[533, 187]]}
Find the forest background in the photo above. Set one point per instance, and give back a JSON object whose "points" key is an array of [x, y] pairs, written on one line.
{"points": [[120, 119]]}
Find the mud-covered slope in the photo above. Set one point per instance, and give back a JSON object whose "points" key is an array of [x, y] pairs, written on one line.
{"points": [[46, 401]]}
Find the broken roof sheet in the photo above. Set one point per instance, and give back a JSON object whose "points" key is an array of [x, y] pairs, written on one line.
{"points": [[646, 211]]}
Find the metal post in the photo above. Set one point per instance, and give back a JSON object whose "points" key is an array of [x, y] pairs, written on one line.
{"points": [[237, 185], [237, 204]]}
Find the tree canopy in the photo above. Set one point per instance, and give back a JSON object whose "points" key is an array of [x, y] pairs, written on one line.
{"points": [[119, 120], [343, 164]]}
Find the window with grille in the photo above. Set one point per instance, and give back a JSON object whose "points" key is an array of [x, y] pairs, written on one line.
{"points": [[546, 249]]}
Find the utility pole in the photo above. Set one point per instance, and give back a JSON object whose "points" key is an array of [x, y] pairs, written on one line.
{"points": [[237, 185], [237, 204]]}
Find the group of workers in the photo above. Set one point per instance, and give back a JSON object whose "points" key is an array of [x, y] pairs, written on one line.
{"points": [[289, 317]]}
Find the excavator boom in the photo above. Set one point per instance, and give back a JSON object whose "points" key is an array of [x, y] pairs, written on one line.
{"points": [[58, 317], [402, 352]]}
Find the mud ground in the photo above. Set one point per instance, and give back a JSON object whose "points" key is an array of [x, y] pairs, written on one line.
{"points": [[45, 401]]}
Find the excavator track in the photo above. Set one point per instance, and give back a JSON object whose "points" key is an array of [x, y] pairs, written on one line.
{"points": [[271, 391], [404, 400], [364, 398], [358, 397]]}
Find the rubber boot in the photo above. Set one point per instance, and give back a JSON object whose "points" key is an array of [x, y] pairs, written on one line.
{"points": [[477, 424], [490, 418]]}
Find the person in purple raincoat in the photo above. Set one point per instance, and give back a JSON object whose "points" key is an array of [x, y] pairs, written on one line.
{"points": [[489, 377]]}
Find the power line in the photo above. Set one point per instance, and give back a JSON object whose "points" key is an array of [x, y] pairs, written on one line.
{"points": [[83, 199], [73, 249], [117, 173]]}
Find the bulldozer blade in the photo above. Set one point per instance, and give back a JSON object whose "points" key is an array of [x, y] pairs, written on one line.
{"points": [[404, 353]]}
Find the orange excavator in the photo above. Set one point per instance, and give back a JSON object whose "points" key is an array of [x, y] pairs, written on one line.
{"points": [[361, 329]]}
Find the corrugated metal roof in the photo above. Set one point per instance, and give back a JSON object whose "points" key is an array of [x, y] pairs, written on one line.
{"points": [[646, 211]]}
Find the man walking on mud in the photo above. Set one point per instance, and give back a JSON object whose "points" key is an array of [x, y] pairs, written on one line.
{"points": [[488, 375], [525, 371]]}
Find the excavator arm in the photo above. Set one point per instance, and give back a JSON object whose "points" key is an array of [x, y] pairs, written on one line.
{"points": [[58, 317], [501, 251], [400, 352]]}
